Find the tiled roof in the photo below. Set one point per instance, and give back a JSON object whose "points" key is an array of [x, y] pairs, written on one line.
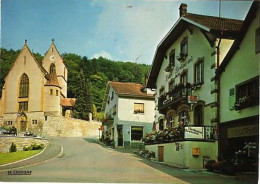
{"points": [[67, 102], [215, 23], [52, 80], [129, 89]]}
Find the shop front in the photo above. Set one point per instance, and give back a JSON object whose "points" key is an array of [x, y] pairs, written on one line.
{"points": [[239, 143]]}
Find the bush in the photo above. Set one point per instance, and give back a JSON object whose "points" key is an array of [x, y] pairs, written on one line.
{"points": [[12, 148], [33, 147]]}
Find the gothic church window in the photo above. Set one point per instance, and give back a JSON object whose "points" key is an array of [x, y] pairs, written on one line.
{"points": [[24, 86]]}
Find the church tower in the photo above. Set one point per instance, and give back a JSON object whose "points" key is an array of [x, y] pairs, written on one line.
{"points": [[53, 61]]}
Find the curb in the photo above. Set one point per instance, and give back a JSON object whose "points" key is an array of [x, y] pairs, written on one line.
{"points": [[60, 155]]}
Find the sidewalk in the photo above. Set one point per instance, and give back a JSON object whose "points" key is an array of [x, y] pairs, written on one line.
{"points": [[51, 151]]}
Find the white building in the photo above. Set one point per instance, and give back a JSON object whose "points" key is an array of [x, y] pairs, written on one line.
{"points": [[183, 73], [239, 93], [129, 113]]}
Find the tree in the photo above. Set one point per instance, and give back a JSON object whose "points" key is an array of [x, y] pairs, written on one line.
{"points": [[83, 104]]}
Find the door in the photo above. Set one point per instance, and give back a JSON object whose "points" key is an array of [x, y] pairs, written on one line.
{"points": [[120, 135], [160, 153], [23, 126]]}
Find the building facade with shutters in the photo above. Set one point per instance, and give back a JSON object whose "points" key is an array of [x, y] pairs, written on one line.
{"points": [[239, 95], [183, 73], [129, 113], [34, 91]]}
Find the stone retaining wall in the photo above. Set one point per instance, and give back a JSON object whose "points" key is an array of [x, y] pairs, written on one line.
{"points": [[20, 142], [70, 127]]}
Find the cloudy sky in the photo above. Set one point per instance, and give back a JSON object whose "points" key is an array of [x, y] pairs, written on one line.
{"points": [[125, 30]]}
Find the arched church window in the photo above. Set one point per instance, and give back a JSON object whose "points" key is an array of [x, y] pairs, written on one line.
{"points": [[52, 68], [24, 86]]}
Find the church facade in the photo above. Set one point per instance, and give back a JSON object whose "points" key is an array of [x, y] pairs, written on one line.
{"points": [[35, 92]]}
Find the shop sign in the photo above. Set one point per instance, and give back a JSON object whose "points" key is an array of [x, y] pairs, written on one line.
{"points": [[194, 133], [192, 99], [242, 131], [195, 151]]}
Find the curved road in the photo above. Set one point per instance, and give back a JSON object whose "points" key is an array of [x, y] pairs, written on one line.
{"points": [[86, 161]]}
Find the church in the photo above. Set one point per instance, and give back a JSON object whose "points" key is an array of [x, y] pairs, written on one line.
{"points": [[35, 92]]}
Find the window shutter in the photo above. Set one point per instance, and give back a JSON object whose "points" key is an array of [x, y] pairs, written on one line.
{"points": [[231, 98]]}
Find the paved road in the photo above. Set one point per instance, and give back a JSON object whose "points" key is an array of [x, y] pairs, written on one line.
{"points": [[86, 161]]}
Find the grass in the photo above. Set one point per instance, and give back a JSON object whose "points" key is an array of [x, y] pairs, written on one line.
{"points": [[6, 158]]}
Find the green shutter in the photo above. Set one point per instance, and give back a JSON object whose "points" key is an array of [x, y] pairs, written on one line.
{"points": [[231, 98]]}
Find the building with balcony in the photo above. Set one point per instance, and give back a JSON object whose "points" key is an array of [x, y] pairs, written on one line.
{"points": [[183, 74], [239, 95], [129, 113]]}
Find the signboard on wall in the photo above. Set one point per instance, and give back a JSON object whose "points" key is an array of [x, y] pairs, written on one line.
{"points": [[242, 131], [192, 99], [194, 132]]}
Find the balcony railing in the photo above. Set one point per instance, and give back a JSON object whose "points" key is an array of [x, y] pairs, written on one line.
{"points": [[173, 97]]}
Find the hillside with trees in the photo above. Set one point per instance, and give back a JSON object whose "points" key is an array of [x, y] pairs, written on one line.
{"points": [[97, 71]]}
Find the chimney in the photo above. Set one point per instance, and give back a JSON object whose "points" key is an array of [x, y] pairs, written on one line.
{"points": [[183, 9]]}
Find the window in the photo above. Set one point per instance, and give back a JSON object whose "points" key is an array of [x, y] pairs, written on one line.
{"points": [[171, 121], [52, 68], [51, 91], [34, 122], [23, 106], [161, 127], [184, 46], [161, 92], [172, 59], [136, 133], [198, 73], [184, 117], [112, 96], [138, 108], [171, 84], [9, 122], [184, 77], [257, 40], [57, 92], [247, 94], [46, 118], [24, 86], [198, 115]]}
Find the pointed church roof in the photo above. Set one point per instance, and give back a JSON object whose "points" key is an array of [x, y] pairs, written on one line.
{"points": [[55, 50], [52, 80], [25, 47]]}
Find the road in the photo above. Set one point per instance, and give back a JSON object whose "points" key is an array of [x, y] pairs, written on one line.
{"points": [[86, 161]]}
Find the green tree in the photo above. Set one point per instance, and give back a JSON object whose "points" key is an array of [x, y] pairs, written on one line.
{"points": [[83, 104]]}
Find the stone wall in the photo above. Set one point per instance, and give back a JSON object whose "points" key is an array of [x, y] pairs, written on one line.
{"points": [[70, 127], [20, 142]]}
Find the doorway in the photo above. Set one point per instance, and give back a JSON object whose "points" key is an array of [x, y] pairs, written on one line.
{"points": [[160, 153], [120, 135], [22, 123]]}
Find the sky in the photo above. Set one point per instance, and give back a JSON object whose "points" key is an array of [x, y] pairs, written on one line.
{"points": [[121, 30]]}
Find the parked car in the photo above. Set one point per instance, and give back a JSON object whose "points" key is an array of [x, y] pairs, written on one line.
{"points": [[2, 131]]}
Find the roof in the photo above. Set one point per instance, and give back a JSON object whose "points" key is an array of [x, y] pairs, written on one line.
{"points": [[235, 46], [52, 80], [129, 89], [215, 23], [67, 102], [206, 23]]}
